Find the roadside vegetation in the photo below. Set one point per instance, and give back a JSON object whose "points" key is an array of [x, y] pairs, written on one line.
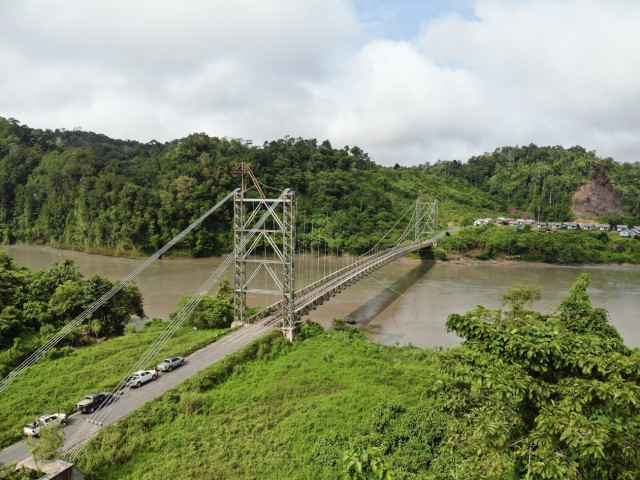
{"points": [[94, 357], [272, 410], [527, 395], [8, 472], [57, 382], [562, 246]]}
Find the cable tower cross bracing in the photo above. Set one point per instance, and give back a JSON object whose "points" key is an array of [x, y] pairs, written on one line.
{"points": [[243, 169], [279, 240]]}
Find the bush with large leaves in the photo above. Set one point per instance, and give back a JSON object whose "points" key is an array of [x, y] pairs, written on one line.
{"points": [[540, 396], [526, 395]]}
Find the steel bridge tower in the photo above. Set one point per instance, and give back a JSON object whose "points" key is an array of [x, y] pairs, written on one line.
{"points": [[426, 219], [277, 234]]}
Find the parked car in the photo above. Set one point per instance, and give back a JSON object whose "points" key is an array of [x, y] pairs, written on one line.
{"points": [[141, 377], [90, 403], [169, 364], [33, 428]]}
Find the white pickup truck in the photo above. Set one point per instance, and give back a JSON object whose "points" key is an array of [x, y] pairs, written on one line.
{"points": [[33, 429], [141, 377]]}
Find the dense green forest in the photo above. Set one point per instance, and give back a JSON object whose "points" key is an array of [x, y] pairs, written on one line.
{"points": [[527, 395], [541, 181], [85, 191]]}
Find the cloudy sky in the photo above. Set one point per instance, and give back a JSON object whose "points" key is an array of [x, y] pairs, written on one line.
{"points": [[408, 81]]}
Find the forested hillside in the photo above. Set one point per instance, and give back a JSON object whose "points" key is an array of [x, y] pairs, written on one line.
{"points": [[86, 191], [542, 181]]}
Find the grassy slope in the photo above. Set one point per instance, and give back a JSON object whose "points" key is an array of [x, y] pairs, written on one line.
{"points": [[289, 417], [56, 385]]}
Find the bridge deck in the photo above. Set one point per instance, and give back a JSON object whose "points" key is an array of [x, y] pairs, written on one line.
{"points": [[315, 294]]}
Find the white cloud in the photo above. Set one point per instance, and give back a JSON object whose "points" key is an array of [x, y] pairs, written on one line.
{"points": [[395, 97], [554, 72], [215, 61]]}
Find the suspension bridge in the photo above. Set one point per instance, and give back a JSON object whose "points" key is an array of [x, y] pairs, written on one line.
{"points": [[259, 223]]}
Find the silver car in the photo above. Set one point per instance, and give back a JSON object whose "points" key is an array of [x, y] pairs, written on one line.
{"points": [[169, 364], [33, 429]]}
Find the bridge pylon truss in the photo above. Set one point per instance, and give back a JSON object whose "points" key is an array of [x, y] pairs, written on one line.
{"points": [[276, 235], [426, 220]]}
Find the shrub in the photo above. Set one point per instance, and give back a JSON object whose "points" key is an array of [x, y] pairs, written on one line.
{"points": [[192, 403]]}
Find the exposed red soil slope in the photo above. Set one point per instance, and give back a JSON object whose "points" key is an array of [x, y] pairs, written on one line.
{"points": [[596, 198]]}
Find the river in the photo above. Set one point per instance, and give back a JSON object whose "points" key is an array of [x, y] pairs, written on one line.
{"points": [[406, 301]]}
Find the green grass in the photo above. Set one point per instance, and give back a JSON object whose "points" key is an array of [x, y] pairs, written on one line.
{"points": [[55, 385], [274, 410]]}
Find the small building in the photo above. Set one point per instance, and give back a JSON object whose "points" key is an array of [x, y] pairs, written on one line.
{"points": [[620, 228], [571, 225], [625, 233], [53, 469], [586, 226], [542, 225], [603, 227], [482, 221], [557, 225]]}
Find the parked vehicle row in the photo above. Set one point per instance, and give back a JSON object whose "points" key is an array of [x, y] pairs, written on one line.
{"points": [[93, 401]]}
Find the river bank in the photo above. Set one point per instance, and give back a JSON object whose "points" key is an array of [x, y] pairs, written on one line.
{"points": [[505, 262], [566, 247], [407, 301]]}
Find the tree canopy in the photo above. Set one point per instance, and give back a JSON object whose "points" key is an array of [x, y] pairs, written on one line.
{"points": [[34, 304], [86, 191]]}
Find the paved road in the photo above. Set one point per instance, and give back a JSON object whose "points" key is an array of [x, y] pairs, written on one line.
{"points": [[134, 398]]}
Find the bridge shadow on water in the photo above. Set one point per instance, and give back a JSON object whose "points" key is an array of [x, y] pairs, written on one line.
{"points": [[368, 311]]}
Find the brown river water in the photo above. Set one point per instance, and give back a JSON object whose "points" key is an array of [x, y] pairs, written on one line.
{"points": [[406, 301]]}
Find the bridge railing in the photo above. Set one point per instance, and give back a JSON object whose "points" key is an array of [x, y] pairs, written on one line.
{"points": [[363, 265]]}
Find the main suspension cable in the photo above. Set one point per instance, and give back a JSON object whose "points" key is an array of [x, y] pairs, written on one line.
{"points": [[70, 326]]}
